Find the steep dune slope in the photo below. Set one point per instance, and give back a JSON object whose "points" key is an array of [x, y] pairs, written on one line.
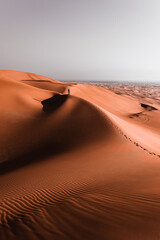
{"points": [[119, 109], [23, 120]]}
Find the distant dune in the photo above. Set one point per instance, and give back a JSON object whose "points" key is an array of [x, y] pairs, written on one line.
{"points": [[83, 164]]}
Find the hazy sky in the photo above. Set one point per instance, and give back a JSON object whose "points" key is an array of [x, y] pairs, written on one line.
{"points": [[82, 39]]}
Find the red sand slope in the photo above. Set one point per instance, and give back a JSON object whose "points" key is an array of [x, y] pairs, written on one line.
{"points": [[88, 170]]}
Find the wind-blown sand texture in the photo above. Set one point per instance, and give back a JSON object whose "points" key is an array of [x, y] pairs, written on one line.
{"points": [[86, 169]]}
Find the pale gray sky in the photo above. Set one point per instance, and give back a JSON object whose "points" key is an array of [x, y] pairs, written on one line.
{"points": [[82, 39]]}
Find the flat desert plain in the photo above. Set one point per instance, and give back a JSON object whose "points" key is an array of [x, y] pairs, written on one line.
{"points": [[78, 161]]}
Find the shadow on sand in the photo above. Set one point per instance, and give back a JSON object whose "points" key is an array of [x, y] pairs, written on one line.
{"points": [[51, 104], [45, 148]]}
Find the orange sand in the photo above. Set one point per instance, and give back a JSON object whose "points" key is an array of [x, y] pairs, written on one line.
{"points": [[88, 170]]}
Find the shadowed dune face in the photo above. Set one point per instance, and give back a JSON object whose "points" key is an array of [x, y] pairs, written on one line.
{"points": [[148, 107], [51, 104], [73, 124], [78, 166]]}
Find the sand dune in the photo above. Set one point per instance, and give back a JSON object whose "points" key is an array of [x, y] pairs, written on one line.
{"points": [[88, 168]]}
